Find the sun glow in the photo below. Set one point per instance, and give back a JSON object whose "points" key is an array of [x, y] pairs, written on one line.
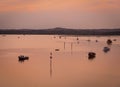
{"points": [[71, 13], [37, 5]]}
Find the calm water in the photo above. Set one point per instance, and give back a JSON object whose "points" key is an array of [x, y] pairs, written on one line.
{"points": [[69, 67]]}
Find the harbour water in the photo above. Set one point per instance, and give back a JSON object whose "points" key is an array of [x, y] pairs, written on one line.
{"points": [[59, 61]]}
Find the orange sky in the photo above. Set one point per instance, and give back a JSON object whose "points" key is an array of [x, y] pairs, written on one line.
{"points": [[66, 13]]}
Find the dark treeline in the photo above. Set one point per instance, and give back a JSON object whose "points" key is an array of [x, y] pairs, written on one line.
{"points": [[62, 31]]}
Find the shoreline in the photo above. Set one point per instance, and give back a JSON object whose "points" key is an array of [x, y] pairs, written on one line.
{"points": [[61, 31]]}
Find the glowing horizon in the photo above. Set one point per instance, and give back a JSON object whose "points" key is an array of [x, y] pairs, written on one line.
{"points": [[59, 13]]}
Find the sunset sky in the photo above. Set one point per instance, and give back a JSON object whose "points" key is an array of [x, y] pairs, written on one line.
{"points": [[40, 14]]}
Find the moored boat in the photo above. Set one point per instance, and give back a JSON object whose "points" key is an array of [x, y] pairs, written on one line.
{"points": [[22, 57], [91, 55], [106, 49]]}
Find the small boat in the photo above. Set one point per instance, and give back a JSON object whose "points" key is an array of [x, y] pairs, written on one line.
{"points": [[109, 42], [106, 49], [91, 55], [22, 57]]}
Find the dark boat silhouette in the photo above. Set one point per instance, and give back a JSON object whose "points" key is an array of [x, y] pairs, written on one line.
{"points": [[91, 55], [109, 41], [22, 57], [106, 49]]}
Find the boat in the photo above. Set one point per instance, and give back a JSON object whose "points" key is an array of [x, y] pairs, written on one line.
{"points": [[106, 49], [91, 55], [22, 57], [109, 42]]}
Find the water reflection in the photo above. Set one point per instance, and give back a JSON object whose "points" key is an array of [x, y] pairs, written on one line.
{"points": [[51, 64], [64, 45], [71, 47], [70, 70], [50, 67], [91, 58], [4, 35]]}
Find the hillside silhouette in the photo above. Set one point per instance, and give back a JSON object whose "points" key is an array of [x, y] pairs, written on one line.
{"points": [[62, 31]]}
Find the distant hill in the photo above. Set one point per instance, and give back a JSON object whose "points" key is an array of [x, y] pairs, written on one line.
{"points": [[62, 31]]}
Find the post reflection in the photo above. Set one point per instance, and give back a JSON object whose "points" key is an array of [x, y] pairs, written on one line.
{"points": [[64, 45], [71, 47], [50, 65]]}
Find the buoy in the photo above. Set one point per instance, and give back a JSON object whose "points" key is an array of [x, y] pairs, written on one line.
{"points": [[57, 49]]}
